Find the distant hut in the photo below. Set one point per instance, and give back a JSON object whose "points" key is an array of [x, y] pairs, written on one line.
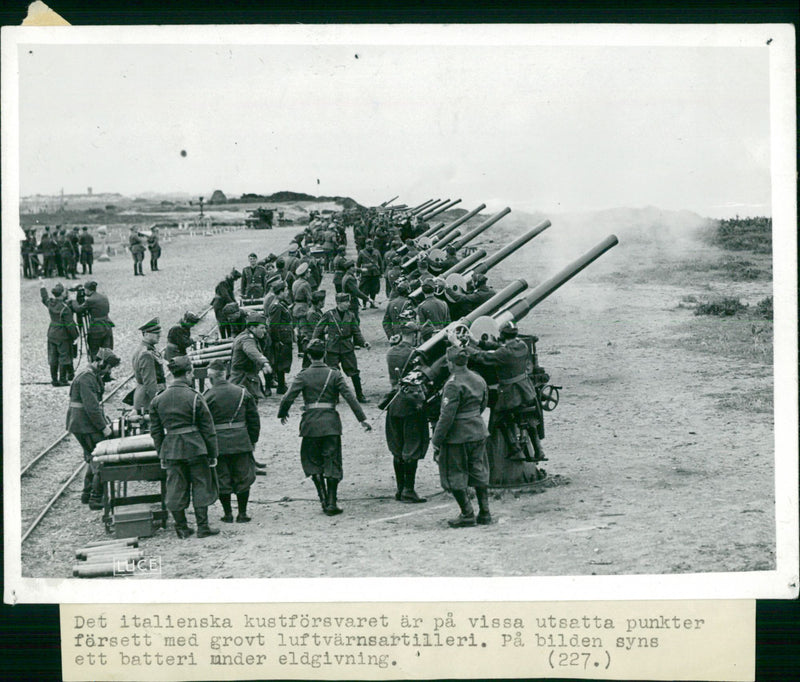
{"points": [[218, 197]]}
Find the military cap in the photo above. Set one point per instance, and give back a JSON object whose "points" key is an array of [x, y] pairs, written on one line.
{"points": [[180, 364], [76, 229], [91, 285], [342, 297], [280, 263], [47, 228], [401, 287], [427, 286], [315, 348], [349, 264], [256, 318], [107, 357], [410, 328], [293, 248], [301, 269], [190, 317], [457, 355], [396, 260], [85, 229], [279, 286], [479, 279], [318, 296], [342, 249], [230, 309], [252, 255], [217, 365], [153, 326], [451, 249], [414, 284], [422, 262], [236, 274], [58, 289], [369, 242], [509, 330]]}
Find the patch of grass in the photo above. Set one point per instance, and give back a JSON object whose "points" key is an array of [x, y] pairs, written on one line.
{"points": [[721, 307], [761, 401], [764, 308], [744, 234], [743, 336]]}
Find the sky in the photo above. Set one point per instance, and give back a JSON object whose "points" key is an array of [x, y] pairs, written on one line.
{"points": [[535, 127]]}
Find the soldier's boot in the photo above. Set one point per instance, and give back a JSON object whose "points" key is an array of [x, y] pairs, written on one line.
{"points": [[70, 372], [400, 476], [241, 503], [135, 269], [356, 379], [54, 376], [141, 269], [331, 508], [484, 515], [203, 529], [182, 527], [467, 516], [281, 379], [409, 494], [87, 485], [225, 501], [319, 484], [63, 375]]}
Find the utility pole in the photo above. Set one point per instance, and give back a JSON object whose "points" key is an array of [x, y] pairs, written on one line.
{"points": [[201, 207]]}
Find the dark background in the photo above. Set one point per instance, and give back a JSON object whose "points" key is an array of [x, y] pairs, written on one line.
{"points": [[30, 633]]}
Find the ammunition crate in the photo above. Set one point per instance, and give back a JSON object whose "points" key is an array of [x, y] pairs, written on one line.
{"points": [[135, 520]]}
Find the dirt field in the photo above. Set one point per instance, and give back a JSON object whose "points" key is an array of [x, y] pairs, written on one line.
{"points": [[661, 451]]}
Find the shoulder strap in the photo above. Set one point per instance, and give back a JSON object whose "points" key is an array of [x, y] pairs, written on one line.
{"points": [[194, 406], [238, 407], [324, 386]]}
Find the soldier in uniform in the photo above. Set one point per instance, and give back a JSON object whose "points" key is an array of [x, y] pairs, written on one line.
{"points": [[370, 265], [320, 425], [247, 360], [432, 314], [48, 249], [87, 421], [407, 433], [350, 287], [137, 251], [281, 332], [341, 333], [62, 334], [238, 426], [301, 293], [154, 246], [86, 243], [96, 308], [398, 304], [223, 295], [462, 304], [179, 337], [186, 441], [459, 440], [305, 331], [147, 367], [393, 275], [338, 268], [254, 279], [69, 263]]}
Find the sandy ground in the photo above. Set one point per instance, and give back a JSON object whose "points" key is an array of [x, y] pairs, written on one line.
{"points": [[655, 463]]}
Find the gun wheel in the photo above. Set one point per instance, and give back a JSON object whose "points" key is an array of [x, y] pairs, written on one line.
{"points": [[550, 398]]}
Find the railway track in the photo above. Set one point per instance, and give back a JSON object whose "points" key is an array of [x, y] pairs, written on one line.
{"points": [[36, 480]]}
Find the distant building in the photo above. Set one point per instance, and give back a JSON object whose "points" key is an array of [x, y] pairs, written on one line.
{"points": [[218, 197], [89, 191]]}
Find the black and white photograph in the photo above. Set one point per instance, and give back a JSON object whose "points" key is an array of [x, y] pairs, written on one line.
{"points": [[401, 306]]}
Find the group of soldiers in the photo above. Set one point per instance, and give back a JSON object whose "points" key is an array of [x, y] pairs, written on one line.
{"points": [[138, 242], [57, 253], [206, 441]]}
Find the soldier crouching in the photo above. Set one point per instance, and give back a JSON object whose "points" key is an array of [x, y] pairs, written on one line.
{"points": [[238, 426], [186, 441], [459, 440]]}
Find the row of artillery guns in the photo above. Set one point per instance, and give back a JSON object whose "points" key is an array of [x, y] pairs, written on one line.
{"points": [[514, 445]]}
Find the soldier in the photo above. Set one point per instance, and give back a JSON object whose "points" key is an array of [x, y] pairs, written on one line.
{"points": [[247, 360], [62, 334], [27, 270], [137, 251], [393, 274], [154, 246], [370, 265], [223, 295], [451, 257], [432, 314], [350, 287], [281, 332], [461, 303], [301, 294], [68, 259], [58, 242], [186, 442], [397, 305], [147, 367], [179, 337], [291, 259], [48, 249], [338, 268], [254, 279], [459, 440], [320, 425], [238, 426], [86, 242], [305, 331], [96, 308], [515, 389], [87, 421], [407, 433], [341, 333], [235, 319]]}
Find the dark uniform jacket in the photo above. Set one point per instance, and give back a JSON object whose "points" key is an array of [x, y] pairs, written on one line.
{"points": [[235, 417], [179, 338], [340, 331], [306, 328], [149, 374], [85, 413], [135, 243], [433, 315], [464, 397], [511, 361], [223, 294], [391, 318], [154, 246], [280, 324], [62, 324], [97, 307], [181, 425], [86, 242], [404, 404], [301, 294], [370, 262], [247, 361], [254, 281], [350, 286], [321, 387]]}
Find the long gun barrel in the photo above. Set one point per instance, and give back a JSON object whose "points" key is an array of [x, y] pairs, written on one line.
{"points": [[423, 206], [485, 225], [456, 223], [386, 203], [506, 251], [459, 267], [441, 209]]}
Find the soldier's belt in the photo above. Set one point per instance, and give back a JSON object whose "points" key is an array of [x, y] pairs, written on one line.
{"points": [[468, 414], [228, 427], [182, 430], [319, 406], [72, 403], [513, 380]]}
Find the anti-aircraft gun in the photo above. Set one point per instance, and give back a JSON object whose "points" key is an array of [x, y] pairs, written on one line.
{"points": [[428, 368], [260, 219]]}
